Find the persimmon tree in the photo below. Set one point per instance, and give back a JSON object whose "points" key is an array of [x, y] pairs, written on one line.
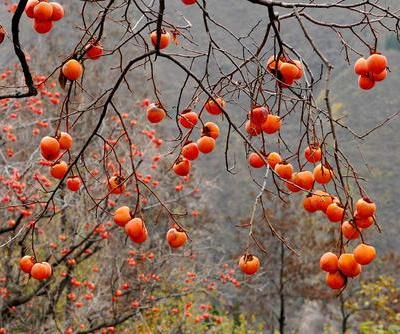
{"points": [[119, 161]]}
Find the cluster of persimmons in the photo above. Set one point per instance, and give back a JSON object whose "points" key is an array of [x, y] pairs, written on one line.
{"points": [[44, 14], [371, 70], [37, 270]]}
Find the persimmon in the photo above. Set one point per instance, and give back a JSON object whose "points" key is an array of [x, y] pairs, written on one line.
{"points": [[321, 200], [30, 5], [291, 185], [349, 231], [313, 153], [122, 216], [74, 183], [59, 170], [182, 167], [72, 69], [258, 115], [188, 119], [364, 254], [176, 237], [272, 64], [363, 222], [329, 262], [322, 174], [335, 212], [377, 63], [43, 11], [255, 160], [41, 271], [348, 265], [206, 144], [335, 280], [58, 11], [94, 50], [190, 151], [289, 71], [304, 180], [249, 264], [210, 129], [273, 159], [365, 208], [361, 67], [42, 27], [65, 141], [252, 129], [189, 2], [272, 124], [165, 38], [300, 69], [116, 185], [380, 76], [26, 263], [49, 148], [136, 230], [308, 204], [284, 170], [215, 108], [155, 114], [365, 82]]}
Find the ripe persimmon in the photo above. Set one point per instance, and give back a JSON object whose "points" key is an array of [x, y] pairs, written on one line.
{"points": [[210, 129], [363, 222], [155, 114], [304, 180], [291, 185], [74, 183], [313, 153], [321, 200], [182, 166], [252, 129], [41, 271], [349, 231], [65, 141], [116, 185], [365, 208], [335, 280], [188, 119], [335, 212], [206, 144], [176, 237], [284, 170], [272, 124], [273, 159], [289, 71], [249, 264], [361, 67], [26, 263], [59, 170], [329, 262], [122, 216], [58, 11], [72, 69], [94, 50], [322, 174], [272, 64], [258, 115], [365, 82], [30, 5], [364, 254], [165, 38], [136, 230], [42, 27], [380, 76], [43, 11], [189, 2], [190, 151], [215, 108], [377, 63], [308, 204], [255, 160], [49, 148], [348, 265]]}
